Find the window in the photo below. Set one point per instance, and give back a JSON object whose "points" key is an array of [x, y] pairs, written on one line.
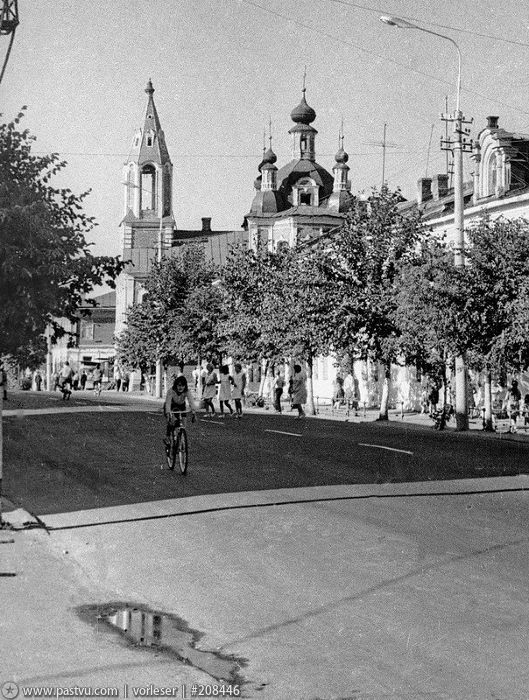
{"points": [[305, 198], [149, 140], [148, 187], [87, 329]]}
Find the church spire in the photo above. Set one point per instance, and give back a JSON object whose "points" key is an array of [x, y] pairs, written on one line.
{"points": [[148, 170], [303, 134]]}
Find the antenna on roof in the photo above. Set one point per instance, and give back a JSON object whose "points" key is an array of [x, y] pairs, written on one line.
{"points": [[428, 152]]}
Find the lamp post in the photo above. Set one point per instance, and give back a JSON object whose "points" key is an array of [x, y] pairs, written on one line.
{"points": [[459, 222]]}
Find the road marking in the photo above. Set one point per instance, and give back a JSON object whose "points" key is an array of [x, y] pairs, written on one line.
{"points": [[383, 447], [283, 432]]}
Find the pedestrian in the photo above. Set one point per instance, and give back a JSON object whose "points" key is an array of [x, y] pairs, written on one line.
{"points": [[299, 390], [513, 400], [3, 381], [238, 388], [56, 381], [83, 379], [279, 384], [226, 383], [65, 381], [96, 379], [338, 393], [525, 410], [433, 399], [125, 382], [38, 380], [75, 381], [210, 388], [117, 378]]}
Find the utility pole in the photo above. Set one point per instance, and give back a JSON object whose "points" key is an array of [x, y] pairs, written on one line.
{"points": [[159, 365], [458, 145], [8, 25]]}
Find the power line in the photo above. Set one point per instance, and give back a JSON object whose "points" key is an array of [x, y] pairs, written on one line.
{"points": [[182, 156], [339, 39], [432, 24]]}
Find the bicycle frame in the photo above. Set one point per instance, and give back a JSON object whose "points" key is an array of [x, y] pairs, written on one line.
{"points": [[178, 441]]}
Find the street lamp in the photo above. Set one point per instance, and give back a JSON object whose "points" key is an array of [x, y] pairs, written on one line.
{"points": [[459, 203]]}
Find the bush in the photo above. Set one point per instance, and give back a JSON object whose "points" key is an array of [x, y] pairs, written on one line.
{"points": [[25, 384]]}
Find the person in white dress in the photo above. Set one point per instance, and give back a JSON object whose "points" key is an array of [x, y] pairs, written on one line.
{"points": [[225, 390], [238, 387], [210, 389]]}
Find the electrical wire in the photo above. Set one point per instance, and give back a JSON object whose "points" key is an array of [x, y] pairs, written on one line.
{"points": [[339, 39], [431, 24]]}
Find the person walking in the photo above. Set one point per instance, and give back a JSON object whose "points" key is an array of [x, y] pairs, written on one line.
{"points": [[226, 382], [3, 381], [65, 381], [279, 385], [299, 390], [96, 379], [513, 400], [117, 378], [38, 380], [338, 393], [75, 381], [83, 379], [238, 387], [210, 389]]}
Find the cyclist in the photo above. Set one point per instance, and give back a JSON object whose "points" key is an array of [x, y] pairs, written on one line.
{"points": [[175, 401]]}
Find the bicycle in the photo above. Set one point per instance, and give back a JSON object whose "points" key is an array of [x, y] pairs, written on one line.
{"points": [[177, 447]]}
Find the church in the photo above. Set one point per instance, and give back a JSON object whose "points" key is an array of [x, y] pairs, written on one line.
{"points": [[301, 199], [148, 228]]}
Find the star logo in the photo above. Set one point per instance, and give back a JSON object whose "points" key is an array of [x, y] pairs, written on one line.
{"points": [[10, 690]]}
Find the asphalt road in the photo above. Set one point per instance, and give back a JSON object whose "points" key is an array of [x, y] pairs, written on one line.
{"points": [[66, 462]]}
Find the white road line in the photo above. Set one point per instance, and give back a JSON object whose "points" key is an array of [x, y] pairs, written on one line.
{"points": [[282, 432], [383, 447]]}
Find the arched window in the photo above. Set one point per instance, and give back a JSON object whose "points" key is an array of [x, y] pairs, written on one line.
{"points": [[148, 187]]}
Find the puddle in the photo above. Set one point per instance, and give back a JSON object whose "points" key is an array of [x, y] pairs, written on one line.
{"points": [[165, 633]]}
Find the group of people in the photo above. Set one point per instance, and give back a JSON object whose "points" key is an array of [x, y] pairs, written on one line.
{"points": [[67, 380], [231, 388]]}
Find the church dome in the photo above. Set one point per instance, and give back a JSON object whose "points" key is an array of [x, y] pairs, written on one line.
{"points": [[342, 156], [269, 157], [303, 114]]}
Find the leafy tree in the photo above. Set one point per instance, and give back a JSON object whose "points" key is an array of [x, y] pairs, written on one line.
{"points": [[429, 309], [46, 267], [363, 261], [496, 280], [176, 320], [298, 322]]}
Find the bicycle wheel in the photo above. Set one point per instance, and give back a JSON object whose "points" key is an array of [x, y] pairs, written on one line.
{"points": [[181, 450], [170, 451]]}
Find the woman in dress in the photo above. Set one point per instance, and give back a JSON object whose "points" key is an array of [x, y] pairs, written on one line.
{"points": [[225, 390]]}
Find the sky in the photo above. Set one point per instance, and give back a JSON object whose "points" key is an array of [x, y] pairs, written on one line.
{"points": [[223, 69]]}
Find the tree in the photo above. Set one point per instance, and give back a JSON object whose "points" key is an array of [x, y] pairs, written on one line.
{"points": [[363, 261], [299, 322], [46, 267], [176, 319], [430, 304], [496, 279]]}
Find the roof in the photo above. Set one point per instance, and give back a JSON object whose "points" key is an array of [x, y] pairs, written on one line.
{"points": [[157, 152], [107, 300], [290, 173]]}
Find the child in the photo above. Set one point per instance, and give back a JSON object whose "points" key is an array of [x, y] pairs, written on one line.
{"points": [[175, 401]]}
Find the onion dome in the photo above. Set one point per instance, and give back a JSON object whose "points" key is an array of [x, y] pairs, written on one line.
{"points": [[303, 114], [342, 156], [269, 157]]}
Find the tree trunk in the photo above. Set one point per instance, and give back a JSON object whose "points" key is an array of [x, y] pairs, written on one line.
{"points": [[487, 400], [384, 401], [310, 386]]}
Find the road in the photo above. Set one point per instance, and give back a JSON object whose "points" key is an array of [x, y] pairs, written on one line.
{"points": [[80, 460], [340, 560]]}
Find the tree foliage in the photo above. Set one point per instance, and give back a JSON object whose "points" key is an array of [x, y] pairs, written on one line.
{"points": [[46, 267], [176, 320]]}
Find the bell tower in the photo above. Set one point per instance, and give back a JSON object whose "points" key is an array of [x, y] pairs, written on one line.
{"points": [[147, 227]]}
